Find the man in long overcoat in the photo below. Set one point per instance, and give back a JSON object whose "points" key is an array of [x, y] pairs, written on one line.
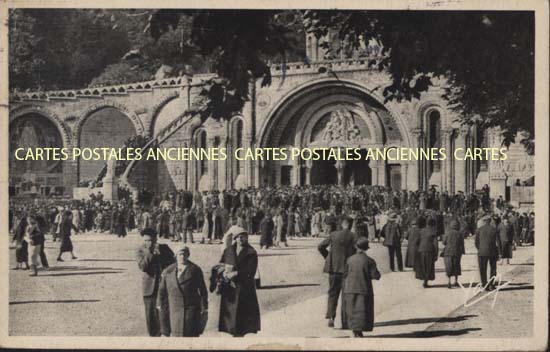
{"points": [[182, 299], [487, 252], [341, 245], [392, 239], [239, 308], [152, 259]]}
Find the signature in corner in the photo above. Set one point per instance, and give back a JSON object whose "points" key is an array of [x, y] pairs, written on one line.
{"points": [[472, 290]]}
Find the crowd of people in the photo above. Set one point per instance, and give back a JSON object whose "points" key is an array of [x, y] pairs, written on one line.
{"points": [[348, 218]]}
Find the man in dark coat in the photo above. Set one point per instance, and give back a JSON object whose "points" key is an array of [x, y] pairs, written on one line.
{"points": [[239, 307], [152, 259], [358, 295], [182, 298], [392, 239], [487, 252], [266, 231], [453, 251], [187, 225], [341, 245]]}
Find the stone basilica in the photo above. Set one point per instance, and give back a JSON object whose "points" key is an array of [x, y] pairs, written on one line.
{"points": [[322, 103]]}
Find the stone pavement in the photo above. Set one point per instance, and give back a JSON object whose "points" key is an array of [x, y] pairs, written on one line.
{"points": [[403, 308]]}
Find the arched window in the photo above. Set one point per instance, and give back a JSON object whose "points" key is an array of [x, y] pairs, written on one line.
{"points": [[433, 136]]}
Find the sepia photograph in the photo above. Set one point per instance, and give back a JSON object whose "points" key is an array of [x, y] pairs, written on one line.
{"points": [[275, 178]]}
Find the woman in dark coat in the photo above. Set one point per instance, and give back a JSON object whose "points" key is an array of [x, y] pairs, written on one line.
{"points": [[239, 308], [412, 235], [65, 234], [358, 295], [119, 223], [266, 231], [453, 251], [427, 253], [505, 240]]}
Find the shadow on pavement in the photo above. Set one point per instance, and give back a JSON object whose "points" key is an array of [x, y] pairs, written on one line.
{"points": [[106, 260], [425, 320], [272, 287], [273, 254], [58, 301], [82, 268], [530, 287], [84, 273], [437, 333]]}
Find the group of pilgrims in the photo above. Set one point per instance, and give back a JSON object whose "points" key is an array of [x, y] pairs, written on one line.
{"points": [[434, 224]]}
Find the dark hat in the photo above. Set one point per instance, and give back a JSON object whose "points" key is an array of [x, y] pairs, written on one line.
{"points": [[149, 232], [242, 233], [362, 243]]}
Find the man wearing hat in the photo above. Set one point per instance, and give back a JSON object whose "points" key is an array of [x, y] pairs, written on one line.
{"points": [[152, 259], [341, 245], [182, 299], [392, 239], [487, 252], [358, 295]]}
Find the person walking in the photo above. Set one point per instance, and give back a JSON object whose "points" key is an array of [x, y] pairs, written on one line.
{"points": [[35, 238], [357, 291], [487, 252], [505, 240], [65, 227], [412, 235], [152, 259], [427, 253], [453, 251], [392, 239], [239, 307], [266, 231], [341, 244], [182, 299]]}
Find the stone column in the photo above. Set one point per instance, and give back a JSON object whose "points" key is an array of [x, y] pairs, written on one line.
{"points": [[417, 166], [446, 175], [212, 165], [374, 172], [461, 176], [296, 172], [404, 175], [340, 164], [308, 166], [186, 93], [222, 166]]}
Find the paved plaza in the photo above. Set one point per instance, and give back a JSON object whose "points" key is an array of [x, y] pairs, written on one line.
{"points": [[99, 294]]}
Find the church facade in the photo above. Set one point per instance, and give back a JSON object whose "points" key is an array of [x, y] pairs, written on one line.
{"points": [[334, 103]]}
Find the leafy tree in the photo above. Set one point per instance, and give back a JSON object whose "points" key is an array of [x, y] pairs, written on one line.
{"points": [[487, 58]]}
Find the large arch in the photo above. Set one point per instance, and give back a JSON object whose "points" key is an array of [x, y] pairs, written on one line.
{"points": [[136, 121], [46, 113], [106, 127], [157, 122], [32, 126], [328, 84]]}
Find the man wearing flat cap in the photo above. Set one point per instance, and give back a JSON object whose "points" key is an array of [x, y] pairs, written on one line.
{"points": [[358, 294], [152, 259], [182, 299], [341, 245]]}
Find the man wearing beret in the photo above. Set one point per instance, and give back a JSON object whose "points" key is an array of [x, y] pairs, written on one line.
{"points": [[182, 299], [341, 245], [152, 259]]}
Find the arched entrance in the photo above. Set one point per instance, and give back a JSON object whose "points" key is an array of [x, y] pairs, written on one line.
{"points": [[336, 115], [37, 177]]}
